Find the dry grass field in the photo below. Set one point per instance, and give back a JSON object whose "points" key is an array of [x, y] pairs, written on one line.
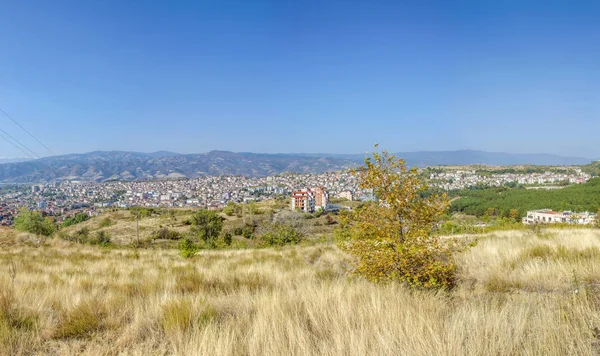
{"points": [[122, 228], [519, 294]]}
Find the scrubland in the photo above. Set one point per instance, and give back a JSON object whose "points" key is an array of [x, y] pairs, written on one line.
{"points": [[518, 294]]}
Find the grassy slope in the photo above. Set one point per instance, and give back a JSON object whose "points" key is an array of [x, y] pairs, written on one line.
{"points": [[519, 294], [123, 228]]}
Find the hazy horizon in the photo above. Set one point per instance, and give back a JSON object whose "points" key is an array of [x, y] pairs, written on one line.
{"points": [[5, 159], [289, 77]]}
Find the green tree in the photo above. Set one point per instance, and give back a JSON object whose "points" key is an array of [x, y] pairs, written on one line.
{"points": [[207, 225], [392, 238], [34, 222], [514, 214], [78, 218]]}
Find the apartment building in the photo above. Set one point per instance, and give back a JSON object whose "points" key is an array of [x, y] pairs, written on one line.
{"points": [[310, 199]]}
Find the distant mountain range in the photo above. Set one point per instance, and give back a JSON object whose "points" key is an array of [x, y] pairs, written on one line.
{"points": [[103, 166], [12, 160]]}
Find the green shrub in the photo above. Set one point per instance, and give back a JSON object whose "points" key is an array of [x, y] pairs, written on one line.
{"points": [[106, 222], [207, 225], [187, 248], [227, 238], [166, 234], [100, 238], [79, 218], [247, 231], [82, 235], [280, 234], [34, 222]]}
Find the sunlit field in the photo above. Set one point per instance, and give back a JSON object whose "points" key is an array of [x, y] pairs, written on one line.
{"points": [[519, 294]]}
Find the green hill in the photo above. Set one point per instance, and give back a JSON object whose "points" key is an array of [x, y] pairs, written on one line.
{"points": [[582, 197]]}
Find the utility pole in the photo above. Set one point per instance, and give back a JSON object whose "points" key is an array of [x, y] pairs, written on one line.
{"points": [[137, 229]]}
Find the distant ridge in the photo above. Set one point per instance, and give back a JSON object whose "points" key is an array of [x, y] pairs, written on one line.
{"points": [[101, 166]]}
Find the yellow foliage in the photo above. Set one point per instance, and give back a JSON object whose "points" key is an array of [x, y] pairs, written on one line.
{"points": [[392, 237]]}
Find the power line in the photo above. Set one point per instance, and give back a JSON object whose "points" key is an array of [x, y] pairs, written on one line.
{"points": [[20, 149], [17, 141], [29, 133]]}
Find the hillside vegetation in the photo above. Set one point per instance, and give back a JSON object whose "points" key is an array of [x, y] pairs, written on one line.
{"points": [[580, 197], [122, 228], [592, 168], [518, 293]]}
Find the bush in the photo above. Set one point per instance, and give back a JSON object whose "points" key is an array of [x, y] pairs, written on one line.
{"points": [[279, 234], [187, 248], [233, 209], [100, 238], [82, 235], [79, 218], [392, 239], [166, 234], [34, 222], [329, 220], [106, 222], [227, 238], [319, 213], [248, 231]]}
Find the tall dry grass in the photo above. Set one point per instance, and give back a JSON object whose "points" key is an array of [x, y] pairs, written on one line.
{"points": [[520, 294]]}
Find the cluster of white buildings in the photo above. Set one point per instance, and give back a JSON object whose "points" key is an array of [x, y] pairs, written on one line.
{"points": [[460, 179], [71, 197], [547, 216]]}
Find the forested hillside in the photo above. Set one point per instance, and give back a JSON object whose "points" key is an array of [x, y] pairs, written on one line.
{"points": [[592, 168], [479, 202]]}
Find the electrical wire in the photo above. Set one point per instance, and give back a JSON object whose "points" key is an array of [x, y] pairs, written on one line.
{"points": [[19, 143], [19, 148], [29, 133]]}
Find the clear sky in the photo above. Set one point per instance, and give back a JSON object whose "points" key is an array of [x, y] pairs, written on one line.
{"points": [[301, 76]]}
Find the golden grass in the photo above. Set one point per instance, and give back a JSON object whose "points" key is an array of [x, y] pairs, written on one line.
{"points": [[518, 294], [122, 228]]}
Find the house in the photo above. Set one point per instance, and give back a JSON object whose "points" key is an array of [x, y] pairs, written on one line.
{"points": [[547, 216], [346, 194]]}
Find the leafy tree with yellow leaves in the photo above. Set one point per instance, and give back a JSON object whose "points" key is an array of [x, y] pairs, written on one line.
{"points": [[392, 237]]}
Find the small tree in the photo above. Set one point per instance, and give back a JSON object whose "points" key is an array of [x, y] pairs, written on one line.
{"points": [[207, 225], [34, 222], [392, 238], [187, 248], [514, 214]]}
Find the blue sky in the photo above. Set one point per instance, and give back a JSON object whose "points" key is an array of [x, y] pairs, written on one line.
{"points": [[301, 76]]}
